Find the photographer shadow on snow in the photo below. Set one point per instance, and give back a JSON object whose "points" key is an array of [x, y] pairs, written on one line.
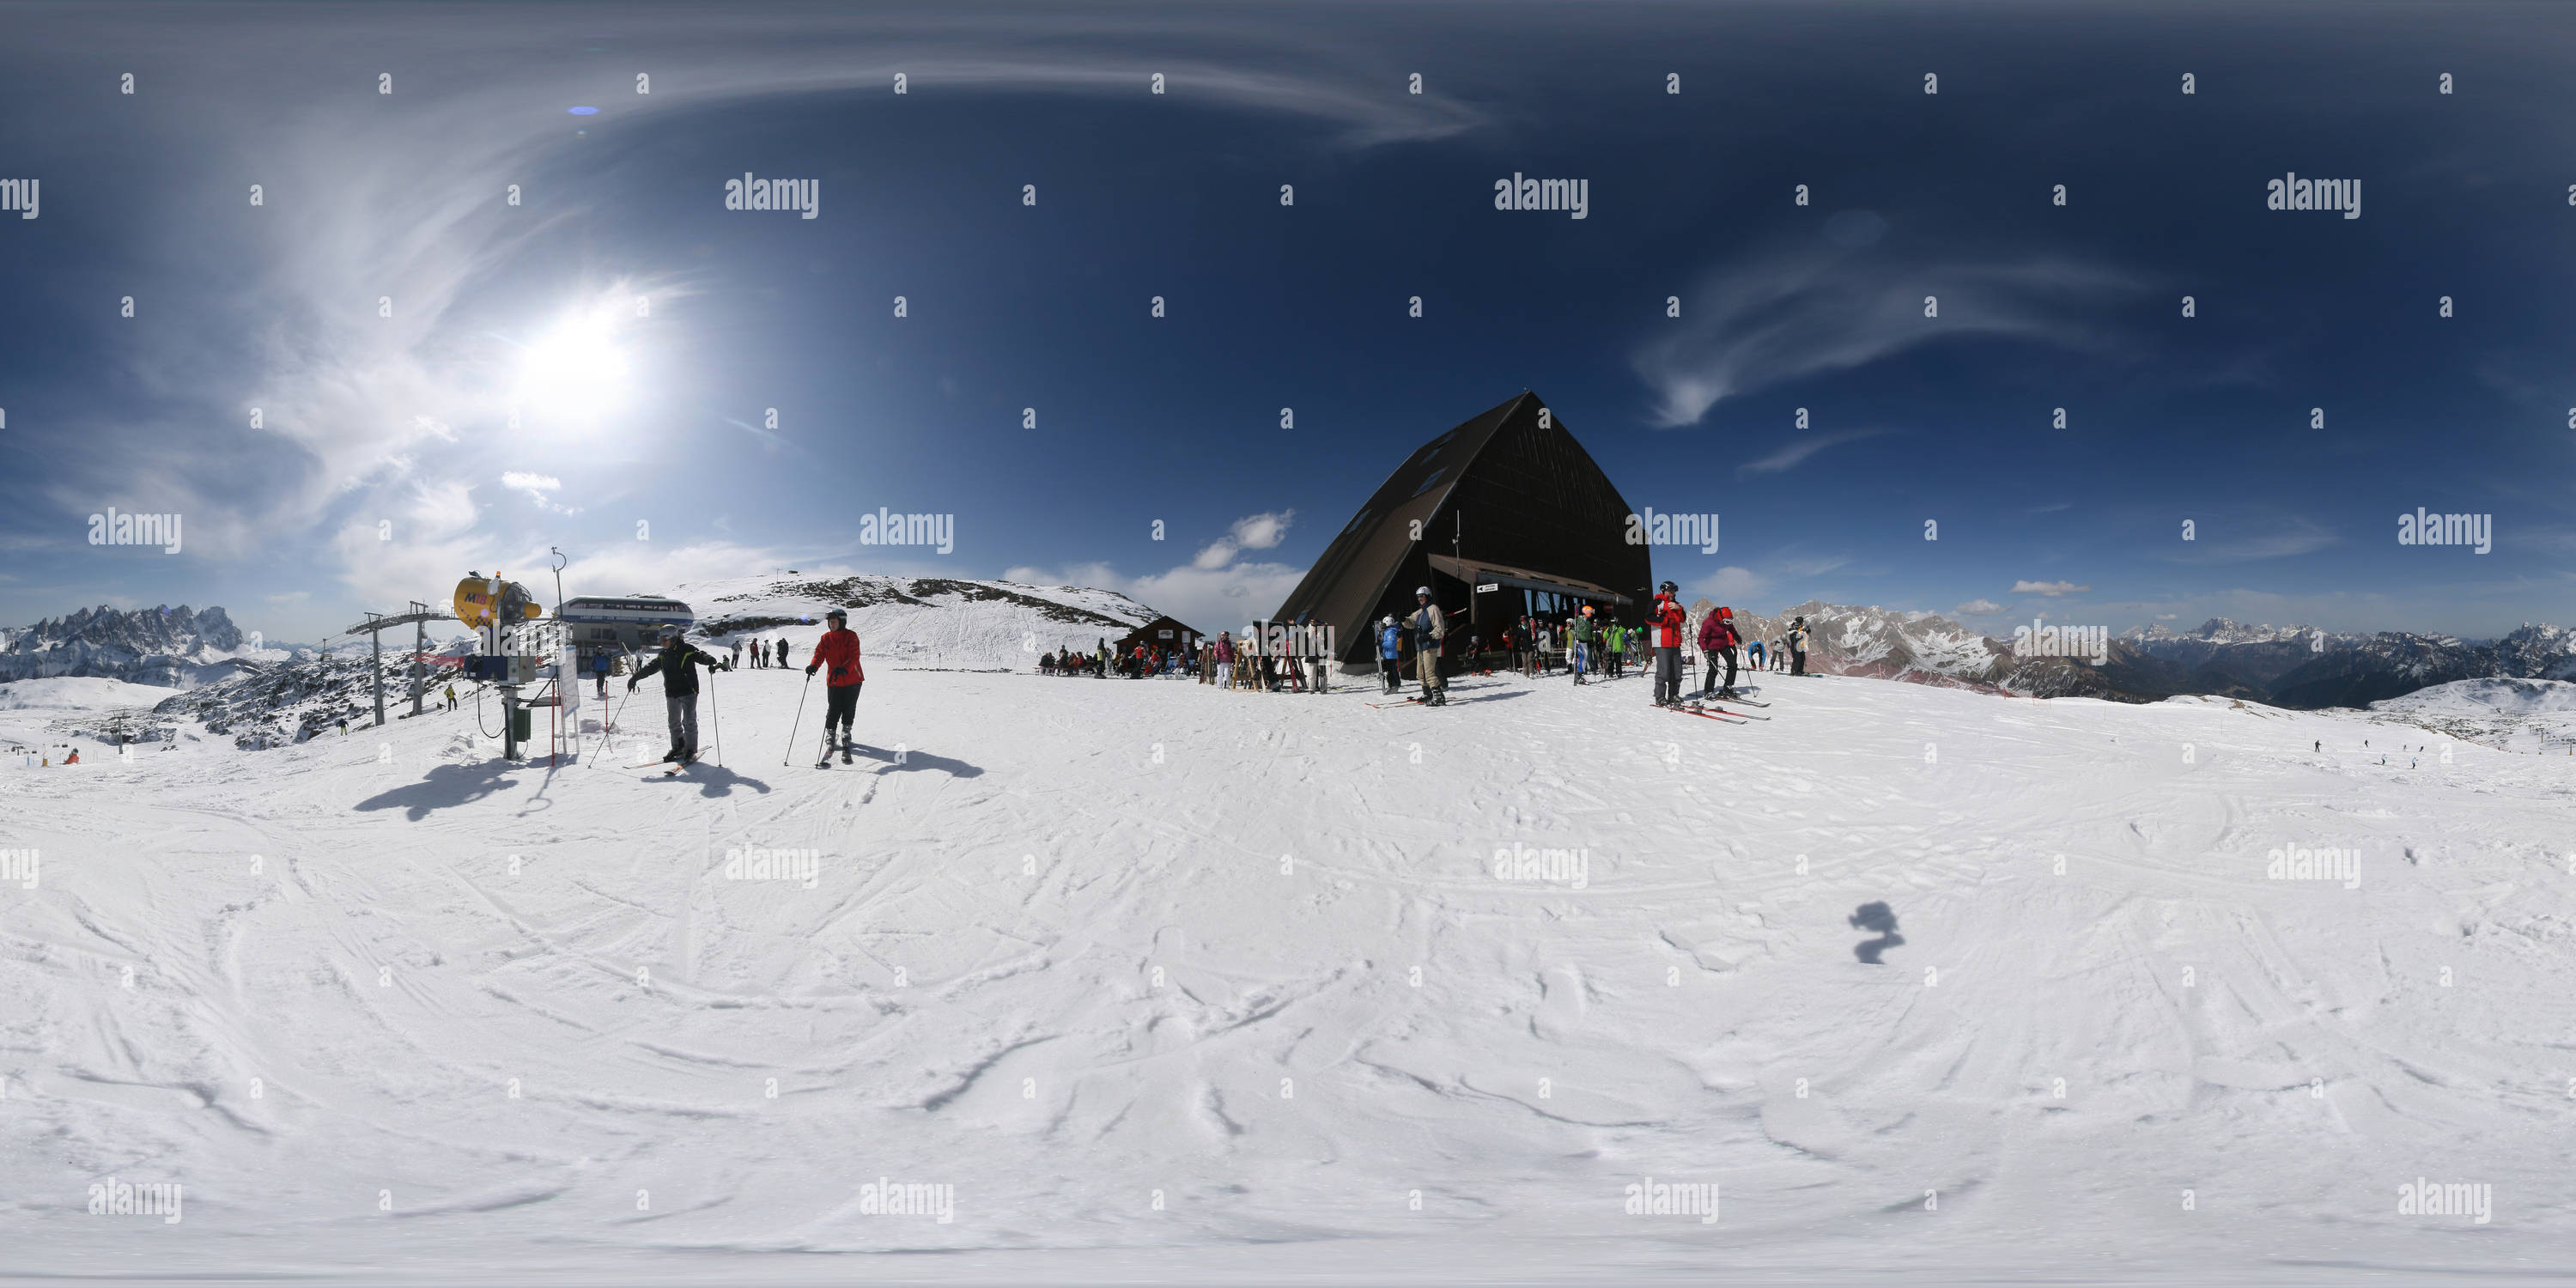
{"points": [[444, 787], [909, 761], [1881, 919], [713, 779]]}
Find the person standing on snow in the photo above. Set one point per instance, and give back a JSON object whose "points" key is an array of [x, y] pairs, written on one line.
{"points": [[1579, 642], [1224, 654], [1667, 617], [1753, 655], [1798, 646], [678, 662], [1716, 640], [839, 650], [1429, 628], [1390, 654]]}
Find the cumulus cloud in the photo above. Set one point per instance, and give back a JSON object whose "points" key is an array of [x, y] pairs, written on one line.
{"points": [[1216, 590], [1976, 608], [2049, 588], [1728, 584], [1257, 532]]}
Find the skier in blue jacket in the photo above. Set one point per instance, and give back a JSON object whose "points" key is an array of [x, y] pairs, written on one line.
{"points": [[1390, 637]]}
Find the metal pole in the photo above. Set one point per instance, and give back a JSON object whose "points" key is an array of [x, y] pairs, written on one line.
{"points": [[376, 664], [419, 666]]}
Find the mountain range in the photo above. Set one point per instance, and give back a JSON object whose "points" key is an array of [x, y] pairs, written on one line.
{"points": [[2299, 667], [170, 647]]}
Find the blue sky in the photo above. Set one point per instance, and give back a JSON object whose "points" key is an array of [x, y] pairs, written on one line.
{"points": [[385, 464]]}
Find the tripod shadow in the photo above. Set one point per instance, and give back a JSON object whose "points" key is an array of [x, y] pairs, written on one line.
{"points": [[911, 761], [444, 787], [1880, 919]]}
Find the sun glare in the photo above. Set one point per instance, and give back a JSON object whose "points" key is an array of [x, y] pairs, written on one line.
{"points": [[575, 372]]}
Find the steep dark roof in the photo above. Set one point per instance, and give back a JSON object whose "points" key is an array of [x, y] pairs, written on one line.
{"points": [[1518, 492]]}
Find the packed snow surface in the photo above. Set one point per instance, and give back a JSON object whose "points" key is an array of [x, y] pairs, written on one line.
{"points": [[1170, 983]]}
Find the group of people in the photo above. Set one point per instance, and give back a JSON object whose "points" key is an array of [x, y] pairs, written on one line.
{"points": [[1719, 639], [1229, 664], [1138, 662], [1213, 662], [678, 662], [767, 653]]}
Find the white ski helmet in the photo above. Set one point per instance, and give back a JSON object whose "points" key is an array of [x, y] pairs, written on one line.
{"points": [[1388, 620], [1422, 591]]}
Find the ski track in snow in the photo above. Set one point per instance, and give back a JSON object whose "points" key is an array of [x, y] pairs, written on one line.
{"points": [[1029, 853]]}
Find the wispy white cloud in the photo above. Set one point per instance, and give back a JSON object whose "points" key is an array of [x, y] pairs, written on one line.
{"points": [[1977, 608], [2228, 539], [1791, 311], [2048, 588], [1792, 455]]}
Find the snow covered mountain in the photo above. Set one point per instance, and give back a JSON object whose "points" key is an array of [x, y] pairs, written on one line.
{"points": [[1926, 648], [2300, 666], [2290, 666], [944, 623], [273, 704], [163, 646]]}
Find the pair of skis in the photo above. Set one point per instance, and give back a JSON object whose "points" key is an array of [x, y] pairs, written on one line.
{"points": [[674, 766]]}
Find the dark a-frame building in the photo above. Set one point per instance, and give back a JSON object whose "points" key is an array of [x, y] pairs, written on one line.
{"points": [[1508, 501]]}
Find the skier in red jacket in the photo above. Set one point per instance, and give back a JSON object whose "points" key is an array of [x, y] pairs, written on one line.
{"points": [[1717, 639], [839, 650], [1667, 617]]}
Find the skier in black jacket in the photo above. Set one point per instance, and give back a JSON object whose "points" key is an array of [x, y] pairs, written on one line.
{"points": [[678, 662]]}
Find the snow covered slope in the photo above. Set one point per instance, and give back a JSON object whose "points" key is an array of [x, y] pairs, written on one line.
{"points": [[1174, 984], [941, 623], [2529, 715]]}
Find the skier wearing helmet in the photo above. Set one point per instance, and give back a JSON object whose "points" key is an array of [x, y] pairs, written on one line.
{"points": [[839, 650], [1717, 639], [1390, 666]]}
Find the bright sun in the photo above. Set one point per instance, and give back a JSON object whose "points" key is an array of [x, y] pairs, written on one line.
{"points": [[574, 372]]}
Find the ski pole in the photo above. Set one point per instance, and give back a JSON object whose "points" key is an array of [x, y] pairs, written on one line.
{"points": [[801, 695], [715, 716]]}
